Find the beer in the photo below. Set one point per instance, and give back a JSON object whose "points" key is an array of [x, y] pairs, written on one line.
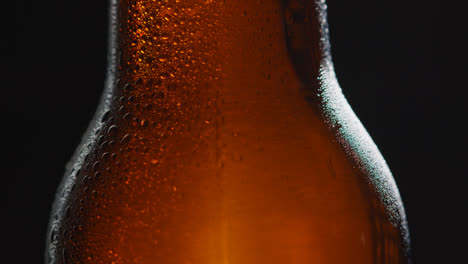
{"points": [[223, 137]]}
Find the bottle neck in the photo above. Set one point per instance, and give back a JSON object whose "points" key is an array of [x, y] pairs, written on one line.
{"points": [[307, 40], [161, 48]]}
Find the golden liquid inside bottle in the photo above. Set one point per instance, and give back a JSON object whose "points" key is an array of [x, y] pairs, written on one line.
{"points": [[206, 149]]}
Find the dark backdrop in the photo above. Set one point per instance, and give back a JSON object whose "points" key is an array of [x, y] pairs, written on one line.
{"points": [[398, 63]]}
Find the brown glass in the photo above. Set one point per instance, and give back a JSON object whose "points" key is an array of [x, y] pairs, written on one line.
{"points": [[223, 137]]}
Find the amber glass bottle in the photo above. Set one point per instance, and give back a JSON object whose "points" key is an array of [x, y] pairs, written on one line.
{"points": [[223, 138]]}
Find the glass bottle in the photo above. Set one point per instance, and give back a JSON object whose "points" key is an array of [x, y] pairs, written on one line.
{"points": [[223, 137]]}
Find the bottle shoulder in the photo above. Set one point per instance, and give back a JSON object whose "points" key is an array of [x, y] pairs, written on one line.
{"points": [[362, 152], [234, 160]]}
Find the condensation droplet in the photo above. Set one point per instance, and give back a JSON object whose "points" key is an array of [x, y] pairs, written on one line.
{"points": [[67, 212], [105, 156], [112, 131], [127, 88], [53, 234], [126, 138], [127, 116], [105, 116], [96, 166]]}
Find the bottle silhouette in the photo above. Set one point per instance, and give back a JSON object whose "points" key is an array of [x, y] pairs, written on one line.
{"points": [[223, 137]]}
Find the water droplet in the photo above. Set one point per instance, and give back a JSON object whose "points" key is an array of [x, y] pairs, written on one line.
{"points": [[105, 116], [163, 75], [85, 179], [67, 212], [53, 234], [105, 155], [96, 166], [103, 145], [112, 131], [73, 185], [126, 138], [127, 88], [127, 116], [100, 139]]}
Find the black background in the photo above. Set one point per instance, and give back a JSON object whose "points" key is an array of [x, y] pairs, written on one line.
{"points": [[400, 64]]}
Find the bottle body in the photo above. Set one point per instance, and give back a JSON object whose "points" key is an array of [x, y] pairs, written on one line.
{"points": [[211, 146]]}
